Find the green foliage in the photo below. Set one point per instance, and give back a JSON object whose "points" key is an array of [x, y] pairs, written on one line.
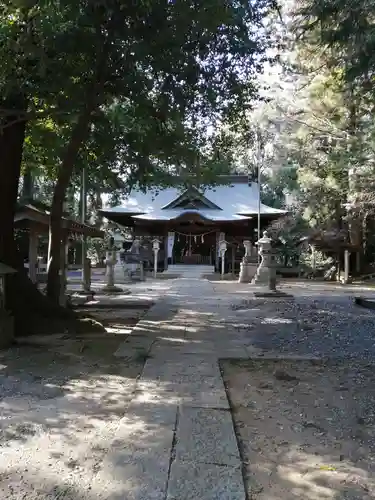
{"points": [[346, 30], [167, 61], [162, 73]]}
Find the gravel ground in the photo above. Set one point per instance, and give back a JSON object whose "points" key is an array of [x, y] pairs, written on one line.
{"points": [[61, 398], [305, 429], [61, 401], [317, 325]]}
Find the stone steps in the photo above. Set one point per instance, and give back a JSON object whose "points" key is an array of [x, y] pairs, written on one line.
{"points": [[189, 271]]}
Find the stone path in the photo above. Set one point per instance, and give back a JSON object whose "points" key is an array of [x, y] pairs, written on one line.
{"points": [[176, 441], [186, 447], [78, 425]]}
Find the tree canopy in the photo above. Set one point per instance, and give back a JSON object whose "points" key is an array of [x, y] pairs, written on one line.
{"points": [[129, 90]]}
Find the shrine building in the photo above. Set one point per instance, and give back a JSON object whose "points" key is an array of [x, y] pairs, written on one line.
{"points": [[191, 221]]}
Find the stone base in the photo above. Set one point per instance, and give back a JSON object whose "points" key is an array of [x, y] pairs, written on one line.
{"points": [[344, 281], [85, 292], [271, 293], [247, 272], [113, 289], [262, 276]]}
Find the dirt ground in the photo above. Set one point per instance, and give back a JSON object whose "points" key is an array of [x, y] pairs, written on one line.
{"points": [[61, 400], [306, 430]]}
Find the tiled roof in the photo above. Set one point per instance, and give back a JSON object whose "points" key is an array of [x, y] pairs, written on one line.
{"points": [[233, 200]]}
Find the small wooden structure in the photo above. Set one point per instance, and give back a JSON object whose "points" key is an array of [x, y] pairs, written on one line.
{"points": [[34, 217], [335, 243]]}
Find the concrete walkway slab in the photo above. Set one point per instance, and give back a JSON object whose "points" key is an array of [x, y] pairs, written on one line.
{"points": [[180, 410], [180, 366], [206, 436], [205, 482], [139, 479], [207, 393]]}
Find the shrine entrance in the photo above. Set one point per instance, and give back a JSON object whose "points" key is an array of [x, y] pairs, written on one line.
{"points": [[195, 249]]}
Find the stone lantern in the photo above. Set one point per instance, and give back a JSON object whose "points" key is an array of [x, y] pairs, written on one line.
{"points": [[266, 272], [6, 321], [110, 262], [132, 262]]}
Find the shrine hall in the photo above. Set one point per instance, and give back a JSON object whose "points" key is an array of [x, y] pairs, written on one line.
{"points": [[189, 222]]}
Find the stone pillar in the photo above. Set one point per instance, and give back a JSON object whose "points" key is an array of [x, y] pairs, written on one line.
{"points": [[118, 266], [155, 248], [245, 268], [110, 262], [223, 249], [313, 259], [33, 253], [135, 251], [86, 274], [346, 266]]}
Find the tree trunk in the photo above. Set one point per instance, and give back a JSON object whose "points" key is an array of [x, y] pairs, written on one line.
{"points": [[23, 300], [11, 148], [79, 135]]}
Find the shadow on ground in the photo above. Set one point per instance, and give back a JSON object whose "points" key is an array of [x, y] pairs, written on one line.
{"points": [[68, 408], [306, 430]]}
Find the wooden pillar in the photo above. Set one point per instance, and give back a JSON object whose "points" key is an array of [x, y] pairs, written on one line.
{"points": [[33, 253], [166, 238], [63, 266], [233, 257], [216, 260]]}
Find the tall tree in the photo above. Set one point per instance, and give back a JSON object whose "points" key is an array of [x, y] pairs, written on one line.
{"points": [[177, 66], [341, 34]]}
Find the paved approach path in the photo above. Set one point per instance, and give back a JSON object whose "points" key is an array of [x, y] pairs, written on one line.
{"points": [[176, 440], [183, 446]]}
